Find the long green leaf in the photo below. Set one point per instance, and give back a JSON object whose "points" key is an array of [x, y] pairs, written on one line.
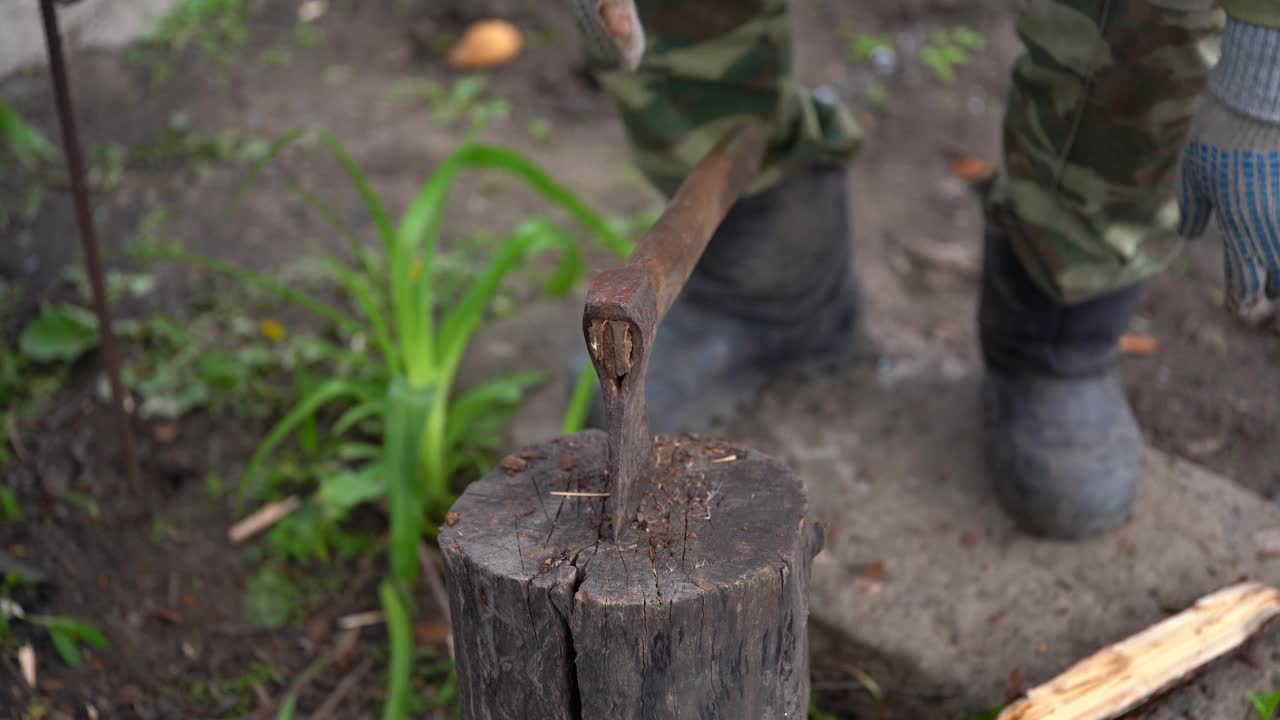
{"points": [[483, 399], [399, 673], [464, 317], [407, 411], [27, 143], [418, 236], [259, 166], [364, 297], [324, 394], [422, 220], [249, 277], [357, 414], [339, 225], [361, 181], [575, 416]]}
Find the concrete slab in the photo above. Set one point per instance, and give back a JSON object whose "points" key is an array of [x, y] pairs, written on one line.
{"points": [[90, 24], [923, 568]]}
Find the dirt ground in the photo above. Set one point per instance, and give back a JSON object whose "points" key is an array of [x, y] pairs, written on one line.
{"points": [[172, 607]]}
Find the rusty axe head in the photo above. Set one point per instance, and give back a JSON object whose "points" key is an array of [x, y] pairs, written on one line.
{"points": [[626, 305]]}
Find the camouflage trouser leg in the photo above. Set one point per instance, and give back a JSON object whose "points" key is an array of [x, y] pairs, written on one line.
{"points": [[1100, 104], [710, 64]]}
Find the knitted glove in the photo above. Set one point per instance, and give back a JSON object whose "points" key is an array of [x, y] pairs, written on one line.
{"points": [[1231, 169], [611, 30]]}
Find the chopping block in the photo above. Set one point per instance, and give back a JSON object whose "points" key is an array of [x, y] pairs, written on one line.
{"points": [[621, 575]]}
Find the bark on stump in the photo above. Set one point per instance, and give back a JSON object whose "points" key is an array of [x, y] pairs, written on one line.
{"points": [[699, 611]]}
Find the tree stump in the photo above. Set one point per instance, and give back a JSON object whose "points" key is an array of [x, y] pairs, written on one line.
{"points": [[699, 611]]}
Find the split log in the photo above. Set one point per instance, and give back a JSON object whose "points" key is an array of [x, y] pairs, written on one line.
{"points": [[698, 611], [1125, 676]]}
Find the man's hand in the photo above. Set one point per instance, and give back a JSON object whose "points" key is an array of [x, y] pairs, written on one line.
{"points": [[612, 29], [1231, 172]]}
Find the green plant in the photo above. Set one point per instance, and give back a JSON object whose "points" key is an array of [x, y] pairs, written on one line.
{"points": [[270, 600], [1265, 704], [991, 714], [464, 100], [862, 46], [10, 510], [29, 148], [948, 50], [68, 634], [216, 27], [391, 412]]}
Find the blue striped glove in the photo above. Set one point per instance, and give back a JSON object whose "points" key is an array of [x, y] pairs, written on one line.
{"points": [[1231, 167]]}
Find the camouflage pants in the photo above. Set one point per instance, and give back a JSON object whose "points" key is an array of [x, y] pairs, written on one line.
{"points": [[1099, 103]]}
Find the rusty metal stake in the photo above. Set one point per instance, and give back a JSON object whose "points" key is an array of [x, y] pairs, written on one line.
{"points": [[84, 217], [625, 305]]}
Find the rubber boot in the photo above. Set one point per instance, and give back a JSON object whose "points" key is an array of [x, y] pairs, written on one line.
{"points": [[1064, 449], [775, 291]]}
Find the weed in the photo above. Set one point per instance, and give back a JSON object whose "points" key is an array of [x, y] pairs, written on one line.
{"points": [[540, 129], [29, 149], [68, 634], [1265, 704], [465, 100], [392, 417], [270, 600], [862, 47], [215, 27], [10, 509], [991, 714], [948, 50]]}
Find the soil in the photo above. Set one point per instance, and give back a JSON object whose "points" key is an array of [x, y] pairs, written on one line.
{"points": [[172, 605]]}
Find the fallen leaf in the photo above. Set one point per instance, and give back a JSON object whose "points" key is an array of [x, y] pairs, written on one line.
{"points": [[486, 44], [1137, 344], [969, 168], [511, 463], [431, 633], [164, 432]]}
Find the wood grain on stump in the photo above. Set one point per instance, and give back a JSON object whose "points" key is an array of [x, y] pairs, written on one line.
{"points": [[699, 611]]}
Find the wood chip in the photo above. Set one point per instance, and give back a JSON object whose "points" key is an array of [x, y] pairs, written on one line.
{"points": [[725, 459], [1138, 344], [451, 519], [265, 517], [27, 661], [514, 464], [1123, 676], [570, 493], [359, 620]]}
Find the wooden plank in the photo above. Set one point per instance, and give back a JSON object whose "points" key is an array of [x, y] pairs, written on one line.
{"points": [[1124, 676]]}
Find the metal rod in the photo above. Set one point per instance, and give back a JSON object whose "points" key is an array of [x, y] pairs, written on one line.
{"points": [[84, 217]]}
